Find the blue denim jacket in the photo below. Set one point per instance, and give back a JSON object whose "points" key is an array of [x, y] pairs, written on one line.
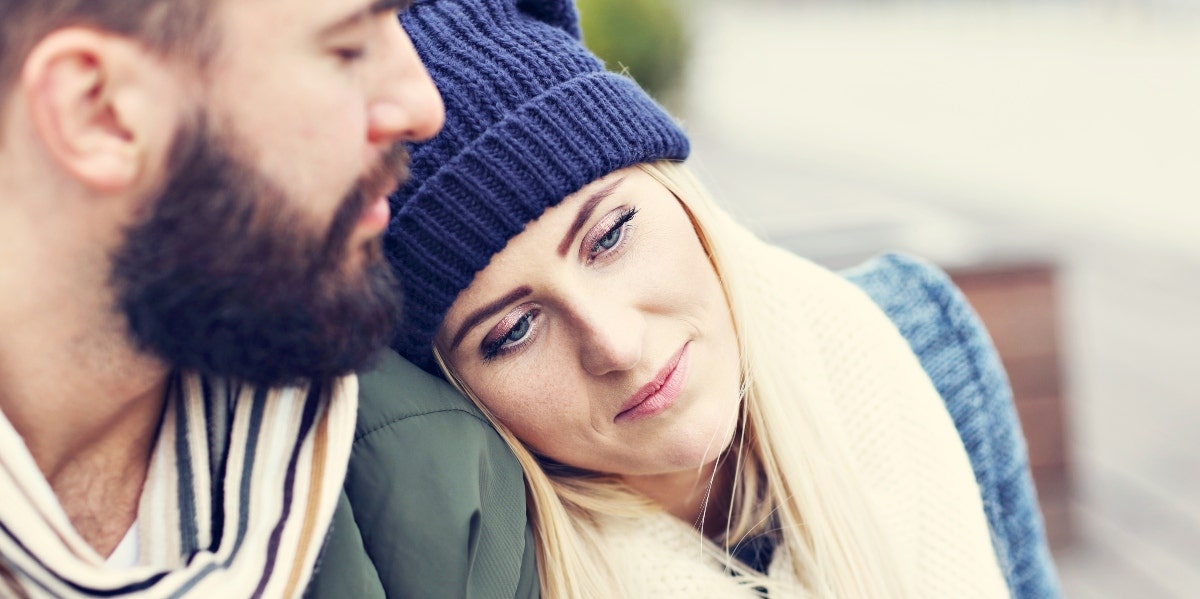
{"points": [[957, 353]]}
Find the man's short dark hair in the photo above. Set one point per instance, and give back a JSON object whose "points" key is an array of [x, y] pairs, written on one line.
{"points": [[168, 27]]}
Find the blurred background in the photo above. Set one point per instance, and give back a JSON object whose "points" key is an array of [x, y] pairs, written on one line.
{"points": [[1046, 153]]}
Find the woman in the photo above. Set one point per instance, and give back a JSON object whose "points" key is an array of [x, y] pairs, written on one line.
{"points": [[697, 413]]}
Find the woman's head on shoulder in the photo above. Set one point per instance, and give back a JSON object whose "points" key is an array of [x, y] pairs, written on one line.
{"points": [[631, 344], [562, 267], [601, 335], [548, 255]]}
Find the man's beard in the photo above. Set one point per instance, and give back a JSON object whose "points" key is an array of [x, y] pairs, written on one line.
{"points": [[228, 277]]}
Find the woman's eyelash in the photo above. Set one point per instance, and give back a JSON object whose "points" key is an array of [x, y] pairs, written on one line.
{"points": [[621, 222], [496, 348], [493, 350]]}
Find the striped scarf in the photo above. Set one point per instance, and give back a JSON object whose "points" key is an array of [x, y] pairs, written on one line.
{"points": [[237, 501]]}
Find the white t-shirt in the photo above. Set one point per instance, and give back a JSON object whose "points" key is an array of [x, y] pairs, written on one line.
{"points": [[126, 553]]}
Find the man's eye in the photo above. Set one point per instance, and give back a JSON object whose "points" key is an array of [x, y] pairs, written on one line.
{"points": [[350, 54]]}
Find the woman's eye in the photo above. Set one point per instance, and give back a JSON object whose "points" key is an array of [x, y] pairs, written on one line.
{"points": [[517, 335], [518, 331], [608, 241], [614, 236]]}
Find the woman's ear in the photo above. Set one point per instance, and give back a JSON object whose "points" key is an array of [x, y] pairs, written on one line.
{"points": [[101, 104]]}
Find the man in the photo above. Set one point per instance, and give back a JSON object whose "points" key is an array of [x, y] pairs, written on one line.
{"points": [[191, 195]]}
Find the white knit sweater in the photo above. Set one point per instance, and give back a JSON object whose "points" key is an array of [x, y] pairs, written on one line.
{"points": [[902, 440]]}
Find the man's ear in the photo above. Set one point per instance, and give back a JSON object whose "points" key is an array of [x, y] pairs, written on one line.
{"points": [[102, 104]]}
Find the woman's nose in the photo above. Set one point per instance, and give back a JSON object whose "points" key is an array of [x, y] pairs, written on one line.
{"points": [[612, 337]]}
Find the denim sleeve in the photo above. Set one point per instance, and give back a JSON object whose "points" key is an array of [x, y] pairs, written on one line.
{"points": [[957, 353]]}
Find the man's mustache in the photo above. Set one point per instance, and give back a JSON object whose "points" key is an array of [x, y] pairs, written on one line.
{"points": [[388, 173]]}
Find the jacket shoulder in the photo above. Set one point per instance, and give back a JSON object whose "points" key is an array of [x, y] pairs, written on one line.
{"points": [[435, 497], [394, 389]]}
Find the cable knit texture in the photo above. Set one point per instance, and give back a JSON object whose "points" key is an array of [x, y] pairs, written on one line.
{"points": [[531, 117], [905, 446], [956, 352]]}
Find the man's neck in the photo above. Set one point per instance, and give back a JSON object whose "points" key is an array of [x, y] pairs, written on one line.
{"points": [[88, 407], [99, 486], [85, 401], [94, 450]]}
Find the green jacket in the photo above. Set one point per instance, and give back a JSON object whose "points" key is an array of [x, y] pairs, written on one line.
{"points": [[434, 501]]}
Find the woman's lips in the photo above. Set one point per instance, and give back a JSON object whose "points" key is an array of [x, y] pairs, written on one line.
{"points": [[660, 393]]}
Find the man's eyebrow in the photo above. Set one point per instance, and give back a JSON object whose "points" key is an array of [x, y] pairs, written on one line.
{"points": [[477, 316], [376, 8], [585, 212]]}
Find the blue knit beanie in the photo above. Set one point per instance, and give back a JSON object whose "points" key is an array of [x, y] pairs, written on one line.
{"points": [[531, 117]]}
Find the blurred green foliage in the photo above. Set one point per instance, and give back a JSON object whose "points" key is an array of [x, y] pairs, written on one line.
{"points": [[646, 39]]}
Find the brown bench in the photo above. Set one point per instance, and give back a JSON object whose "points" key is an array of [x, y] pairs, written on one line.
{"points": [[1018, 304]]}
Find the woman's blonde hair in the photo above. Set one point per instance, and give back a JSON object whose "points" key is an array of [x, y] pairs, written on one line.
{"points": [[793, 475]]}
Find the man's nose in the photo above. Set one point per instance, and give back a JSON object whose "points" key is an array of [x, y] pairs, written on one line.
{"points": [[407, 106]]}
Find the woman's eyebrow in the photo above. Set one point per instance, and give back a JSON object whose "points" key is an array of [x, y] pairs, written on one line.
{"points": [[477, 316], [585, 213]]}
